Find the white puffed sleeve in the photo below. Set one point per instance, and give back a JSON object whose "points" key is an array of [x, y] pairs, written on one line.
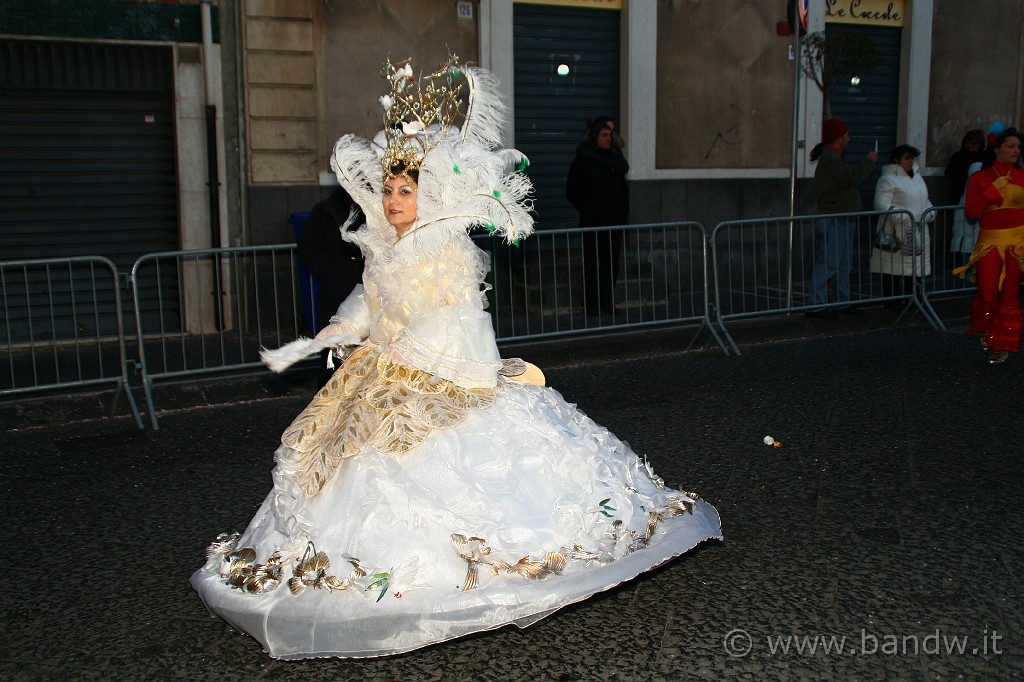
{"points": [[455, 343], [885, 192], [349, 327], [353, 316]]}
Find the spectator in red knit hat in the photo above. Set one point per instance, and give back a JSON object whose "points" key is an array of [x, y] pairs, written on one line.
{"points": [[836, 183]]}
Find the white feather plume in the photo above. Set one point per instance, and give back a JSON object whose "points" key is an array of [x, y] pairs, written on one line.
{"points": [[357, 168], [354, 214], [485, 111], [465, 181], [287, 355]]}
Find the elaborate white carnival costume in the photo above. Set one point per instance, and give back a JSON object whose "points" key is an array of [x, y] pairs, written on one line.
{"points": [[421, 495]]}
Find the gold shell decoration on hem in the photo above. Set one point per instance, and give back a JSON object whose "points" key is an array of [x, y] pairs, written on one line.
{"points": [[475, 551], [245, 574]]}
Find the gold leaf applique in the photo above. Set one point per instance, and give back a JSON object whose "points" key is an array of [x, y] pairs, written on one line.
{"points": [[372, 402]]}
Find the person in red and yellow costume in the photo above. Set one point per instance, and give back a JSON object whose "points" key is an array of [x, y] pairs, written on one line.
{"points": [[996, 195]]}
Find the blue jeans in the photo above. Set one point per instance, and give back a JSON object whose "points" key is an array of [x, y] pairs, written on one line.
{"points": [[833, 254]]}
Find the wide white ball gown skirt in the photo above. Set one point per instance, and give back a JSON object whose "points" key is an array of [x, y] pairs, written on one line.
{"points": [[522, 508]]}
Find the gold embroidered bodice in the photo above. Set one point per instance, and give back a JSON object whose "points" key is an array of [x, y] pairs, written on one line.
{"points": [[423, 313]]}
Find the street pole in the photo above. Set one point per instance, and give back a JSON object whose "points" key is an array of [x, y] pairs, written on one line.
{"points": [[796, 124], [793, 160]]}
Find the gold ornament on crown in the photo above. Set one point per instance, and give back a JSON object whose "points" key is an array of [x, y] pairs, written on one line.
{"points": [[412, 108]]}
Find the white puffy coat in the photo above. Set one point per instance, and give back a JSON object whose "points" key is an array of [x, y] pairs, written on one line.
{"points": [[896, 189]]}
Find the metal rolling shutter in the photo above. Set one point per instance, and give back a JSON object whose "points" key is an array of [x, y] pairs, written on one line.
{"points": [[551, 110], [871, 108], [87, 156]]}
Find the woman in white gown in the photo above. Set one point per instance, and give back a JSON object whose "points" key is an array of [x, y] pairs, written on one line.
{"points": [[429, 490]]}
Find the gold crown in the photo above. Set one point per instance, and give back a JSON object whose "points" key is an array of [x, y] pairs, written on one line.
{"points": [[418, 112]]}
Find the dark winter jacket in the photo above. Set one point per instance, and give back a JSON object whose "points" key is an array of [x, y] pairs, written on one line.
{"points": [[836, 182], [597, 186], [956, 173], [337, 263]]}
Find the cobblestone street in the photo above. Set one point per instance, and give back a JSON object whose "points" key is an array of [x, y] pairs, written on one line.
{"points": [[890, 517]]}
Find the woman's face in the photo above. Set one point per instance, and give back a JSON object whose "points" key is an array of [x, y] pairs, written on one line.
{"points": [[604, 138], [906, 162], [1009, 150], [400, 203]]}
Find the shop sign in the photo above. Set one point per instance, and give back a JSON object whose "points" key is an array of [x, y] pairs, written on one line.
{"points": [[865, 12], [589, 4]]}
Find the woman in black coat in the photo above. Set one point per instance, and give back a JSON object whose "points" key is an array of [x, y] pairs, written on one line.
{"points": [[971, 150], [337, 264], [597, 187]]}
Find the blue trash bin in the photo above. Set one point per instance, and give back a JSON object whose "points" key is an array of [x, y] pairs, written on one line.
{"points": [[309, 286]]}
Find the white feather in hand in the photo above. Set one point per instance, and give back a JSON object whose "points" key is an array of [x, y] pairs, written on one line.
{"points": [[287, 355]]}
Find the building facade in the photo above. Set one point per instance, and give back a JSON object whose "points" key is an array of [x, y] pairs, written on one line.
{"points": [[704, 91], [242, 100]]}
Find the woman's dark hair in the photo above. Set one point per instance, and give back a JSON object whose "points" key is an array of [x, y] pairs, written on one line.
{"points": [[902, 150], [974, 135], [400, 169], [1008, 133], [990, 153], [596, 126]]}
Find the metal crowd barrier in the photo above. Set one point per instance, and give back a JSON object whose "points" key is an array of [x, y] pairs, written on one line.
{"points": [[953, 240], [770, 266], [211, 310], [63, 327], [582, 280]]}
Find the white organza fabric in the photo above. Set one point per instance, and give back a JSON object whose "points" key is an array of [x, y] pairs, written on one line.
{"points": [[429, 311], [528, 475], [525, 478]]}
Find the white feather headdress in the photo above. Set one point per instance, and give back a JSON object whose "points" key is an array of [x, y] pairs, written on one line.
{"points": [[465, 179]]}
